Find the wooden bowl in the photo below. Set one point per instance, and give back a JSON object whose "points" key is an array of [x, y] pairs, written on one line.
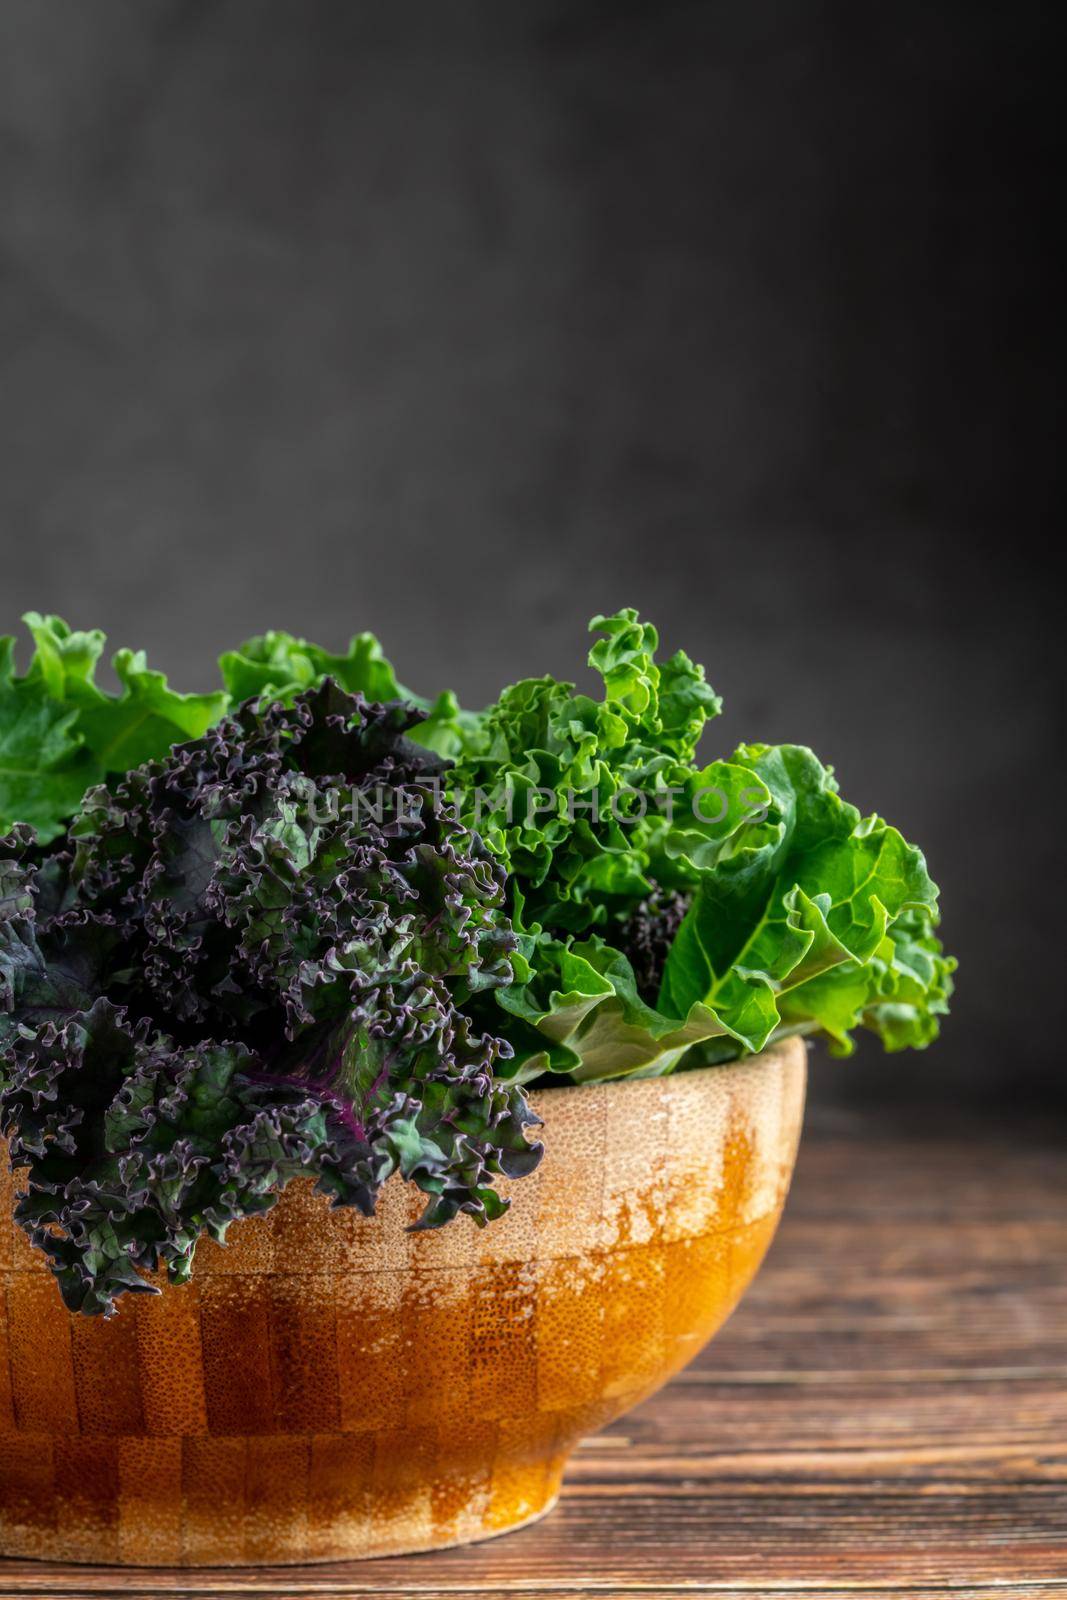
{"points": [[329, 1386]]}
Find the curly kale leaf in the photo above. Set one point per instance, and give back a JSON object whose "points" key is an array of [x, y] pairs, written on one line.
{"points": [[810, 892], [258, 958], [634, 909], [671, 913], [582, 864], [61, 733], [45, 765], [647, 935], [277, 665], [136, 1148]]}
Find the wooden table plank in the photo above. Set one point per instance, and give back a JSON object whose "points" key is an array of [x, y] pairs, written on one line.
{"points": [[885, 1414]]}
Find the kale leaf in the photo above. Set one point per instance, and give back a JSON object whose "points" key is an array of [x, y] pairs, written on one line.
{"points": [[671, 913], [249, 961], [336, 931], [60, 733]]}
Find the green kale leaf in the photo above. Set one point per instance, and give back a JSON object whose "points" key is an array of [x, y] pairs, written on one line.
{"points": [[671, 913], [60, 733], [218, 977]]}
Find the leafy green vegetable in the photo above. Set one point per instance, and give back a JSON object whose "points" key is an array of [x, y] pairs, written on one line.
{"points": [[786, 912], [213, 981], [276, 666], [61, 733], [45, 766], [279, 665], [226, 978]]}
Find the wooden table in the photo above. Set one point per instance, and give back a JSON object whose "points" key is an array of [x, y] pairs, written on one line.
{"points": [[885, 1414]]}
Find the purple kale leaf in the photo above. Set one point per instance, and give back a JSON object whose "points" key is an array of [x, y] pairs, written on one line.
{"points": [[259, 958], [647, 935]]}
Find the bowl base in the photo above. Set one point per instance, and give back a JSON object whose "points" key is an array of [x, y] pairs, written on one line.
{"points": [[354, 1523]]}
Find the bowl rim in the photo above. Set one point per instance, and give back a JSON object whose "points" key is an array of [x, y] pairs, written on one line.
{"points": [[793, 1049]]}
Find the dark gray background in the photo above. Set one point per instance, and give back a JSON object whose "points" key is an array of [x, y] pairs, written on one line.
{"points": [[462, 322]]}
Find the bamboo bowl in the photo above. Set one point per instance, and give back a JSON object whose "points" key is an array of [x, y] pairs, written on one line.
{"points": [[330, 1387]]}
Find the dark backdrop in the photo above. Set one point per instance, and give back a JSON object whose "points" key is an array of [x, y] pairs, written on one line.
{"points": [[464, 321]]}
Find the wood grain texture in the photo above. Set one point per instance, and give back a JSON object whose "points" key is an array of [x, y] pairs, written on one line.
{"points": [[886, 1414], [332, 1404]]}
